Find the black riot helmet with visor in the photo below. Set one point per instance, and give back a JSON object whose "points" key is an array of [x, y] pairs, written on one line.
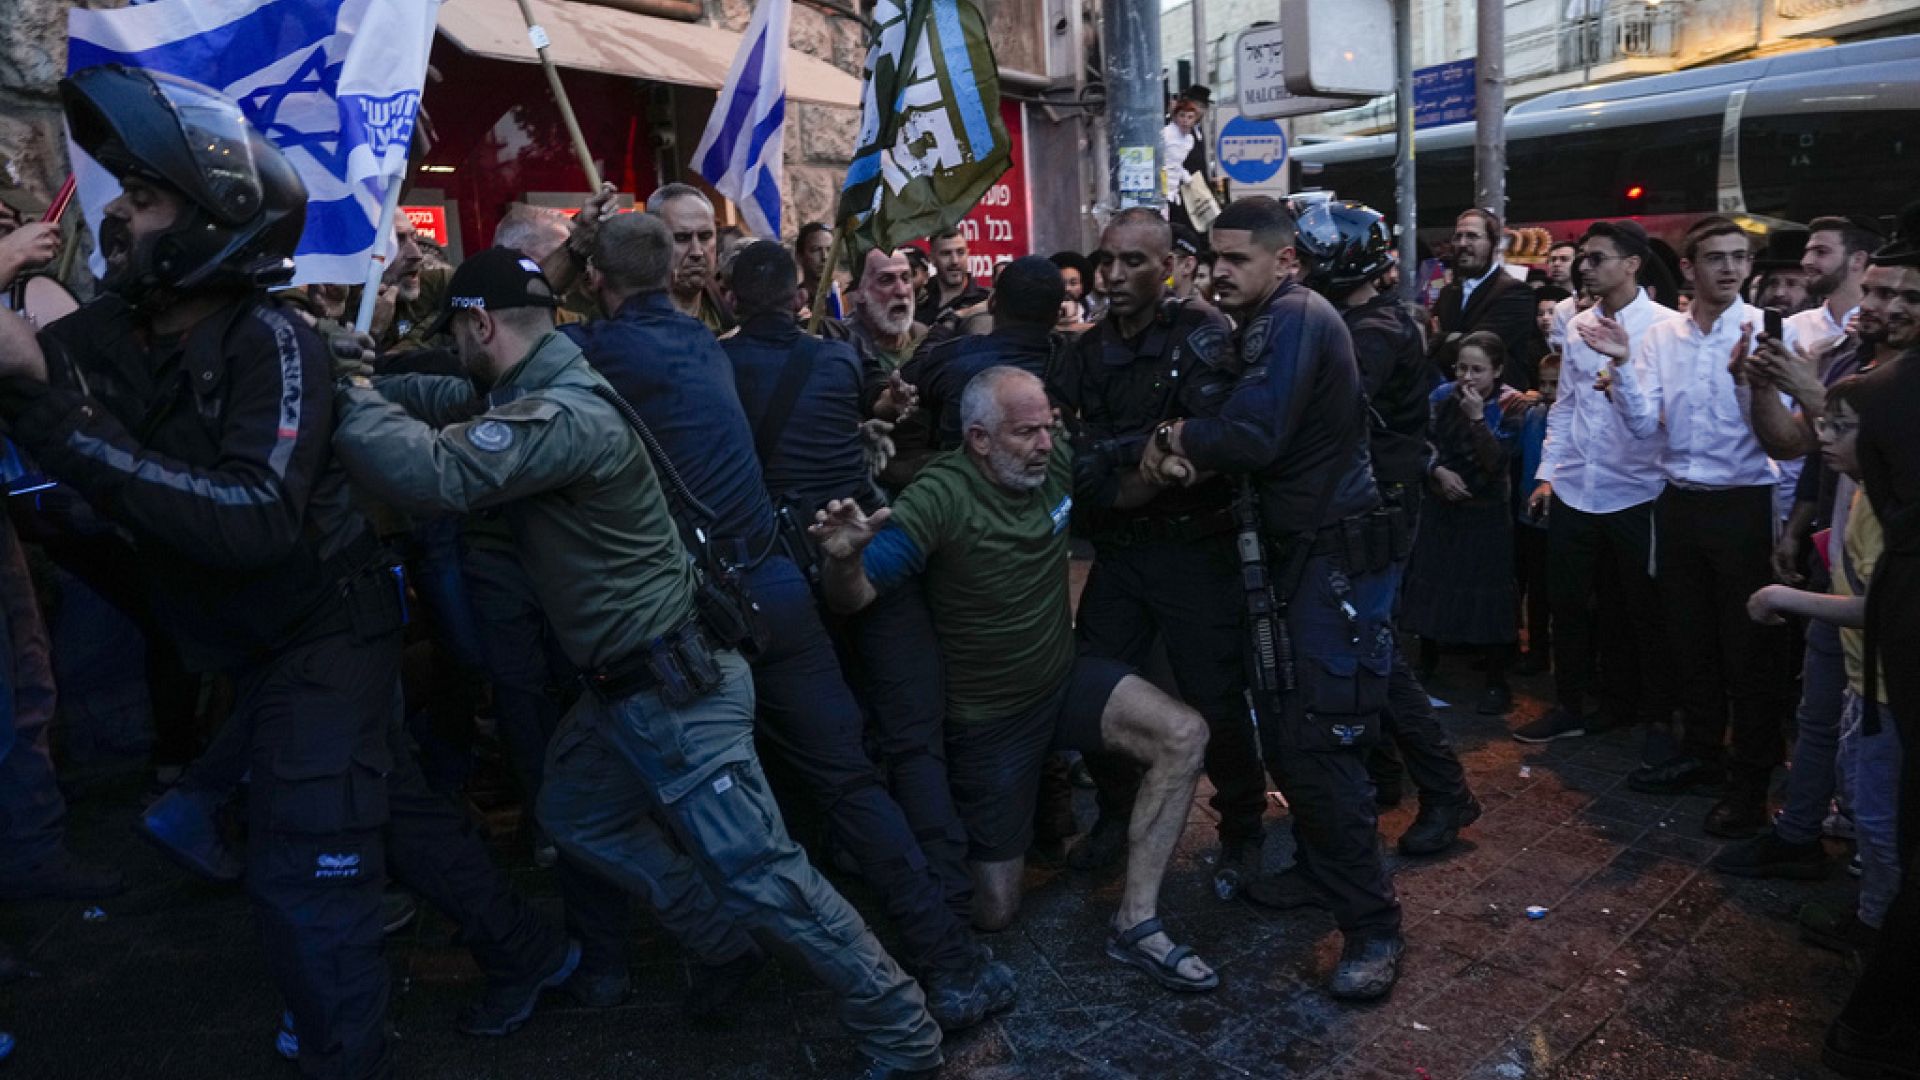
{"points": [[246, 206], [1343, 244]]}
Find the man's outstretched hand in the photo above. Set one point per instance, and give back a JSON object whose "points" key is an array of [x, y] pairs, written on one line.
{"points": [[843, 530]]}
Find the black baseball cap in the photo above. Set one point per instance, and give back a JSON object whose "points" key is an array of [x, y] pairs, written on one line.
{"points": [[495, 279]]}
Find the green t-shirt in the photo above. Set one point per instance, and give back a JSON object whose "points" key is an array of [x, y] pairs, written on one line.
{"points": [[996, 579]]}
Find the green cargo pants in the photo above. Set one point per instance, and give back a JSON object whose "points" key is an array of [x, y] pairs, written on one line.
{"points": [[617, 772]]}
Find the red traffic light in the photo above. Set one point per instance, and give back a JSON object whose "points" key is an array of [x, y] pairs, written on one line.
{"points": [[1636, 191]]}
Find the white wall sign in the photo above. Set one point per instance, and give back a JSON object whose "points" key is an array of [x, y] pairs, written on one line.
{"points": [[1260, 79]]}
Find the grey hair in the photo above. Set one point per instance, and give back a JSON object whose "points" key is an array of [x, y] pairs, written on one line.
{"points": [[980, 402], [528, 230], [634, 251], [666, 193]]}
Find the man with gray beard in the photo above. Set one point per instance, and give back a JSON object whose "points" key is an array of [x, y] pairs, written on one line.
{"points": [[985, 528]]}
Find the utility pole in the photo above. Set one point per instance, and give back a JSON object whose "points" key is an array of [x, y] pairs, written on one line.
{"points": [[1201, 75], [1130, 35], [1490, 110], [1407, 213]]}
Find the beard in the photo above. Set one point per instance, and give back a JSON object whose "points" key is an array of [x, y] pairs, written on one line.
{"points": [[1014, 471], [887, 320], [1822, 287]]}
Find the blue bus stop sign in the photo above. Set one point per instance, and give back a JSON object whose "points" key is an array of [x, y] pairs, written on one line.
{"points": [[1251, 151]]}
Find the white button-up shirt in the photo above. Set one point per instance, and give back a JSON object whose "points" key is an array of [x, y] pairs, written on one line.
{"points": [[1467, 287], [1596, 464], [1677, 383], [1563, 313], [1816, 329]]}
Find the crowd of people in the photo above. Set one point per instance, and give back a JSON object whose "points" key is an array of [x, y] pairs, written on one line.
{"points": [[751, 568]]}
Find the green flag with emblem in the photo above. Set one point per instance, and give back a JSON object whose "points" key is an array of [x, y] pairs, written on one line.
{"points": [[931, 139]]}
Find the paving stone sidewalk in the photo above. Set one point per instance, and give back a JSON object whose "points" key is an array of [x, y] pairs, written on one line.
{"points": [[1646, 965]]}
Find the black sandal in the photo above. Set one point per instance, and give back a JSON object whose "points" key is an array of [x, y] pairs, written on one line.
{"points": [[1124, 946]]}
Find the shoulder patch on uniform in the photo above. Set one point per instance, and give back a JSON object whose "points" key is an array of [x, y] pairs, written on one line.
{"points": [[1253, 343], [490, 435], [1209, 343]]}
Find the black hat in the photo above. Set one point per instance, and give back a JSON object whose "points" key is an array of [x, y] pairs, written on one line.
{"points": [[1198, 93], [493, 280], [1186, 241], [1782, 250], [1903, 247]]}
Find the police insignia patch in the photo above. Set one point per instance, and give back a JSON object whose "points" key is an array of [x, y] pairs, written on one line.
{"points": [[1208, 344], [490, 435], [1253, 343]]}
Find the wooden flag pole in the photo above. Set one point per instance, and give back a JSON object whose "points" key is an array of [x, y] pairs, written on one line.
{"points": [[540, 41], [820, 291]]}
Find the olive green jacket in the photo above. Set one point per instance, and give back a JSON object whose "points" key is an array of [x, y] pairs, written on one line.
{"points": [[573, 481]]}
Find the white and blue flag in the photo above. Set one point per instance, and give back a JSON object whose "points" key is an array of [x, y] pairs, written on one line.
{"points": [[335, 84], [741, 152]]}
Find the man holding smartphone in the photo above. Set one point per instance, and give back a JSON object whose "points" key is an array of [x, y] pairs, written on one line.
{"points": [[1688, 383]]}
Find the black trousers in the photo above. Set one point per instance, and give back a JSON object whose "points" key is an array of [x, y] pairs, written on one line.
{"points": [[1530, 574], [1189, 594], [808, 716], [1415, 737], [337, 803], [1605, 606], [893, 658], [1714, 550]]}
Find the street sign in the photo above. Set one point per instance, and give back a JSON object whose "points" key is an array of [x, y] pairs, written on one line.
{"points": [[1250, 151], [1443, 94], [1260, 78], [1339, 47], [429, 221]]}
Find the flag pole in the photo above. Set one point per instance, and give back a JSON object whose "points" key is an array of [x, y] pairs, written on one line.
{"points": [[820, 291], [377, 265], [540, 41]]}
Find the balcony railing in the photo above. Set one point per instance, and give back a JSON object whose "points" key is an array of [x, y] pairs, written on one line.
{"points": [[1595, 32]]}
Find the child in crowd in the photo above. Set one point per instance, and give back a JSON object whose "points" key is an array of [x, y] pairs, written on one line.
{"points": [[1869, 751], [1529, 532], [1460, 578]]}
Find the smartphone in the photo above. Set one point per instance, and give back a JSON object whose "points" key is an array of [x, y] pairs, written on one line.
{"points": [[1774, 330]]}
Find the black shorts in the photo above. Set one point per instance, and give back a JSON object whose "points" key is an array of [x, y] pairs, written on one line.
{"points": [[994, 766]]}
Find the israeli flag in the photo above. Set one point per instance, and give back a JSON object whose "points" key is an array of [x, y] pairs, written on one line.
{"points": [[335, 84], [741, 152]]}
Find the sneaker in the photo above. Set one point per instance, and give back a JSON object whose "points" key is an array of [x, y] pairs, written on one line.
{"points": [[959, 1001], [1368, 967], [63, 876], [506, 1005], [182, 825], [1495, 701], [1681, 776], [1437, 828], [1104, 845], [1768, 856], [1285, 891], [1556, 723], [1836, 928], [712, 987], [1239, 862]]}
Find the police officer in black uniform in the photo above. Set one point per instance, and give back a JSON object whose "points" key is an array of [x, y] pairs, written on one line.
{"points": [[1025, 306], [1296, 424], [1344, 248], [1165, 561], [802, 397], [196, 413]]}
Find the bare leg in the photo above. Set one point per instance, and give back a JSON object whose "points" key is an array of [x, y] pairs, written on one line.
{"points": [[1170, 740]]}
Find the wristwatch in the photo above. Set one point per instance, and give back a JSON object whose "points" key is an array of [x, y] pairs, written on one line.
{"points": [[353, 382], [1163, 437]]}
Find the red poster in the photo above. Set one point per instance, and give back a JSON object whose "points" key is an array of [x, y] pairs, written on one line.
{"points": [[998, 229], [430, 221]]}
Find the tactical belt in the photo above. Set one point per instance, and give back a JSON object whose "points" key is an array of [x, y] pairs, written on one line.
{"points": [[1363, 543], [680, 664], [1177, 530]]}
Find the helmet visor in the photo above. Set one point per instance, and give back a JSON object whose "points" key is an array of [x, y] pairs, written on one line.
{"points": [[219, 147], [1318, 229]]}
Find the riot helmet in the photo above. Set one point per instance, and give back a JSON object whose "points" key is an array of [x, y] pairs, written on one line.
{"points": [[1343, 244], [245, 205]]}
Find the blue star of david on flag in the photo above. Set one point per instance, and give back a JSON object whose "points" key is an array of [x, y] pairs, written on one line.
{"points": [[335, 84]]}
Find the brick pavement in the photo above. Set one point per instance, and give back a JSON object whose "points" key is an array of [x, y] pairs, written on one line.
{"points": [[1647, 965]]}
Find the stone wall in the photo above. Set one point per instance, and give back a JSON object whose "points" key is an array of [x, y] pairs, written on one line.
{"points": [[33, 56], [819, 137]]}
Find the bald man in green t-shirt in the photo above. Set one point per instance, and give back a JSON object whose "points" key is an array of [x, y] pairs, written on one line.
{"points": [[987, 528]]}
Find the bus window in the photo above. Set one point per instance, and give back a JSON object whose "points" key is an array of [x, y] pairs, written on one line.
{"points": [[1669, 167], [1801, 166]]}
